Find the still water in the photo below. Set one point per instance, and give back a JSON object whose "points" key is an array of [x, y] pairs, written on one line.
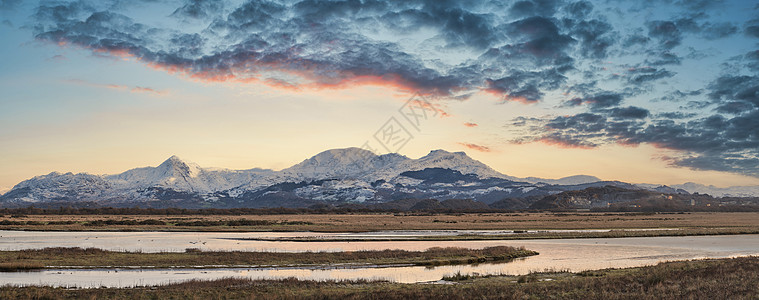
{"points": [[570, 254]]}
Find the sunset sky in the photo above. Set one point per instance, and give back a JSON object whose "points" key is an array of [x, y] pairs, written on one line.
{"points": [[639, 91]]}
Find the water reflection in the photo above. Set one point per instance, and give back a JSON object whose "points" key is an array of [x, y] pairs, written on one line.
{"points": [[571, 254]]}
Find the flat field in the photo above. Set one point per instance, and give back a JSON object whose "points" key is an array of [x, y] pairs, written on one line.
{"points": [[707, 222]]}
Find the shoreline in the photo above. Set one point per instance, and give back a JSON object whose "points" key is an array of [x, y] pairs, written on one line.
{"points": [[691, 279]]}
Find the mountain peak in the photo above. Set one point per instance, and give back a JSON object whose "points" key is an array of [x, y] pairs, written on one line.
{"points": [[174, 166], [333, 162], [444, 152], [339, 156], [351, 151], [173, 158]]}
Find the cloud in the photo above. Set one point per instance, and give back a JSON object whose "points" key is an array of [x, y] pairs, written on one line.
{"points": [[596, 37], [314, 44], [666, 32], [199, 9], [603, 99], [470, 124], [139, 89], [675, 115], [534, 8], [646, 74], [136, 89], [730, 91], [8, 5], [605, 68], [713, 142], [753, 60], [57, 57], [752, 31], [475, 147], [630, 112]]}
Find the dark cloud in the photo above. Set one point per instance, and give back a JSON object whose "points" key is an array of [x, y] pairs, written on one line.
{"points": [[707, 30], [460, 27], [630, 112], [752, 31], [199, 9], [9, 4], [645, 74], [579, 9], [527, 86], [676, 115], [666, 32], [699, 5], [518, 50], [664, 58], [753, 60], [595, 37], [527, 8], [732, 92], [604, 99], [635, 39], [719, 30], [314, 43], [677, 95], [714, 142], [540, 40]]}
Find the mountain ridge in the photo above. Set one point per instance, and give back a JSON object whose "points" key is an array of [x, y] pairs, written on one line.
{"points": [[331, 176]]}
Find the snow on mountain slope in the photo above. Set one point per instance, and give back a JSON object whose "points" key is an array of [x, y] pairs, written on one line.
{"points": [[570, 180], [458, 161], [179, 175], [360, 163], [57, 186], [733, 191], [343, 163], [335, 176], [355, 170]]}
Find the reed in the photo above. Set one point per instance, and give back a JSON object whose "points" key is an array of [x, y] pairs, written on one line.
{"points": [[734, 278], [91, 257]]}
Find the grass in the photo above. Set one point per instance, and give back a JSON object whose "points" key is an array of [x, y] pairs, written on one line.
{"points": [[20, 266], [734, 278], [92, 257], [381, 221]]}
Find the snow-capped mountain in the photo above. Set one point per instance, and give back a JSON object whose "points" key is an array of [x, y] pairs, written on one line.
{"points": [[733, 191], [356, 163], [570, 180], [179, 175], [57, 186], [344, 163], [350, 175]]}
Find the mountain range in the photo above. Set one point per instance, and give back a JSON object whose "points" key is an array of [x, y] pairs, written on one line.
{"points": [[332, 177]]}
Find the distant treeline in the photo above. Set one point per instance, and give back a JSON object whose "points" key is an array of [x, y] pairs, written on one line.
{"points": [[221, 211], [666, 208]]}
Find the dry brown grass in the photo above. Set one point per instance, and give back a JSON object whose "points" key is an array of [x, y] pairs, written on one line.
{"points": [[92, 257], [710, 279], [387, 221]]}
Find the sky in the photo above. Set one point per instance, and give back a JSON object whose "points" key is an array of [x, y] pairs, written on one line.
{"points": [[654, 91]]}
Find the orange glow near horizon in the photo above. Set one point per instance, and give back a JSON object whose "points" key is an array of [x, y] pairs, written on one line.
{"points": [[251, 120]]}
